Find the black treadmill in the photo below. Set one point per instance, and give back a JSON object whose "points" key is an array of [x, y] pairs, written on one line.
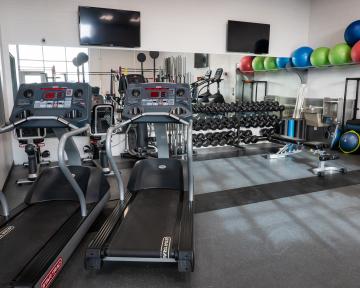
{"points": [[153, 221], [38, 237]]}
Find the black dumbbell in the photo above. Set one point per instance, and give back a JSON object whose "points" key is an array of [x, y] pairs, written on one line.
{"points": [[247, 122], [247, 139]]}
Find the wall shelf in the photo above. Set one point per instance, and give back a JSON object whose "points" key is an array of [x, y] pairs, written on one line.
{"points": [[307, 68]]}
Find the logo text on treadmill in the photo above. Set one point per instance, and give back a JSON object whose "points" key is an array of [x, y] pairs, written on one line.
{"points": [[54, 271], [165, 247], [6, 231]]}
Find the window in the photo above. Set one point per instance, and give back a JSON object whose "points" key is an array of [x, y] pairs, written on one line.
{"points": [[52, 63]]}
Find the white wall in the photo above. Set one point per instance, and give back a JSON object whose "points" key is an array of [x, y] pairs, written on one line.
{"points": [[184, 26], [328, 21]]}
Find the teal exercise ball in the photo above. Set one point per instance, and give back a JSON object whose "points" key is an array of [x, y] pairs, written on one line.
{"points": [[301, 57], [349, 142], [281, 62]]}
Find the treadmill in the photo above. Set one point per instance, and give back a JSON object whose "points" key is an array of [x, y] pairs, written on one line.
{"points": [[153, 220], [38, 237]]}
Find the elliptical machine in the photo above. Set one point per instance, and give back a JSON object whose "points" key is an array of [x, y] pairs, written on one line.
{"points": [[217, 97], [102, 119], [32, 139], [201, 81], [207, 96]]}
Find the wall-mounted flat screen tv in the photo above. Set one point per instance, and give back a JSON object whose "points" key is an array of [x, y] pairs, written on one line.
{"points": [[201, 60], [109, 27], [248, 37]]}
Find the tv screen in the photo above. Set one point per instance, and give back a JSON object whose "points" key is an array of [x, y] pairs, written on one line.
{"points": [[109, 27], [201, 60], [248, 37]]}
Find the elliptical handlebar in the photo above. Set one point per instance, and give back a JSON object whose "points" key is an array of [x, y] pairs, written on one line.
{"points": [[114, 167]]}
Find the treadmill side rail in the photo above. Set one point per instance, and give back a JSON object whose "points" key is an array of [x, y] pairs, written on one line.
{"points": [[94, 253], [186, 259], [4, 204], [65, 169]]}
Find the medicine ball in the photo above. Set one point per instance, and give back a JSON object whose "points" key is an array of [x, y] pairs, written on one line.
{"points": [[355, 52], [320, 57], [301, 57], [246, 64], [270, 63], [281, 62], [349, 142], [340, 54], [352, 33], [258, 63]]}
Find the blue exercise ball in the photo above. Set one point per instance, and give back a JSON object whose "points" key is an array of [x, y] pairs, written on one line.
{"points": [[281, 62], [349, 142], [301, 57], [352, 33]]}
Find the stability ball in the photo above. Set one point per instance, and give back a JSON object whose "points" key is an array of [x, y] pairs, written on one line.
{"points": [[349, 142], [355, 52], [352, 33], [246, 64], [340, 54], [320, 57], [281, 62], [301, 57], [270, 63], [258, 63]]}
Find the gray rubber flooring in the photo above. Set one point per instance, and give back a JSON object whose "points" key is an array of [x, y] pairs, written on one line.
{"points": [[305, 241], [229, 173]]}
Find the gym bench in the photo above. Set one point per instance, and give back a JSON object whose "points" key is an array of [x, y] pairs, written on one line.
{"points": [[293, 145]]}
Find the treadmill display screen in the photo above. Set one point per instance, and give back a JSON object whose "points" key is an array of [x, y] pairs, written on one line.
{"points": [[155, 94], [53, 95]]}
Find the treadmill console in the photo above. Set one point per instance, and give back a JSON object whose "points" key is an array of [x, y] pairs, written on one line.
{"points": [[158, 97], [71, 101]]}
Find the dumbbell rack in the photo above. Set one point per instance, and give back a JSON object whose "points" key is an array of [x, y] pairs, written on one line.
{"points": [[227, 120]]}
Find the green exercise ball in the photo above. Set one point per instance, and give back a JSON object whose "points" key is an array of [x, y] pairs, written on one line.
{"points": [[320, 57], [340, 54], [270, 63], [258, 63]]}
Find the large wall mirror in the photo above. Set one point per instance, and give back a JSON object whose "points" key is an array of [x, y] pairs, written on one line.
{"points": [[33, 63]]}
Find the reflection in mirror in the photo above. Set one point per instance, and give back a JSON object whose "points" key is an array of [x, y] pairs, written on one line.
{"points": [[106, 66]]}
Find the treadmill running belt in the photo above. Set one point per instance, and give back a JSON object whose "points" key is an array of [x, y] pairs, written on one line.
{"points": [[29, 232], [151, 219]]}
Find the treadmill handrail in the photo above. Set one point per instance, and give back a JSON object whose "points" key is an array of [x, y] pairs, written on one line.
{"points": [[4, 204], [13, 125], [68, 175], [114, 167]]}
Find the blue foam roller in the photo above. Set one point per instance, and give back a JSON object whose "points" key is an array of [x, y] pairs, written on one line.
{"points": [[291, 128]]}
